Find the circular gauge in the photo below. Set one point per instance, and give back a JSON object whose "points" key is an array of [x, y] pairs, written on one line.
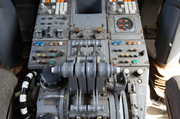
{"points": [[124, 24]]}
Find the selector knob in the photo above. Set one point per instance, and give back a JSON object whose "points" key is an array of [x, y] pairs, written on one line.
{"points": [[126, 71], [50, 81], [142, 53], [60, 53], [139, 72]]}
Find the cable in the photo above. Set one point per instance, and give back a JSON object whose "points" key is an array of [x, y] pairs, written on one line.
{"points": [[24, 92]]}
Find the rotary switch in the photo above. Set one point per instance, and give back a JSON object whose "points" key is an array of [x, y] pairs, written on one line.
{"points": [[126, 71], [139, 72]]}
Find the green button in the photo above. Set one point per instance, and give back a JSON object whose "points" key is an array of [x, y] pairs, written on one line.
{"points": [[49, 55], [51, 62], [137, 54], [134, 61], [54, 55], [132, 55]]}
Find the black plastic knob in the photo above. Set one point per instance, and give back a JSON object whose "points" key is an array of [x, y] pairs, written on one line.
{"points": [[60, 53], [142, 53]]}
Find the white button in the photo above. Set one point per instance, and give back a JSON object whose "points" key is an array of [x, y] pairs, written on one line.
{"points": [[140, 71], [127, 11], [133, 11], [53, 1], [126, 7], [53, 7], [126, 71], [57, 12], [62, 12], [133, 2], [120, 10], [65, 3], [130, 8], [134, 8], [129, 3], [60, 43], [57, 9], [122, 6]]}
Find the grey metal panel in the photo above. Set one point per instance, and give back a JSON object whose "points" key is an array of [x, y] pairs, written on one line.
{"points": [[141, 88], [88, 21], [100, 47], [121, 60], [125, 34], [58, 60]]}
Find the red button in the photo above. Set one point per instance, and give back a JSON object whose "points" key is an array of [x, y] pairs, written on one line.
{"points": [[114, 64]]}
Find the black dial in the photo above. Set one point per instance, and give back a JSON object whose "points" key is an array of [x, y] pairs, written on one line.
{"points": [[124, 24]]}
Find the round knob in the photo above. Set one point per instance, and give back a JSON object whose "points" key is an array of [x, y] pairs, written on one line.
{"points": [[60, 53], [140, 72], [50, 81], [126, 71]]}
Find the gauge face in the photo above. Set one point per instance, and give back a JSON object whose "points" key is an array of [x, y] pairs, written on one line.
{"points": [[124, 24]]}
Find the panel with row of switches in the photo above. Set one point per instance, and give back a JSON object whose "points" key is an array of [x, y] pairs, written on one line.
{"points": [[122, 7], [48, 27], [128, 53], [47, 53]]}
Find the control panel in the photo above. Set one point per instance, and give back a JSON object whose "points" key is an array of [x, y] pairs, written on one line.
{"points": [[47, 53], [99, 48], [128, 53], [122, 7]]}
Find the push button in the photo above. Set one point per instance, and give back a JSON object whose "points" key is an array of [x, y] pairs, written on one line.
{"points": [[51, 62], [37, 43], [115, 43], [41, 43], [120, 42], [134, 61]]}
